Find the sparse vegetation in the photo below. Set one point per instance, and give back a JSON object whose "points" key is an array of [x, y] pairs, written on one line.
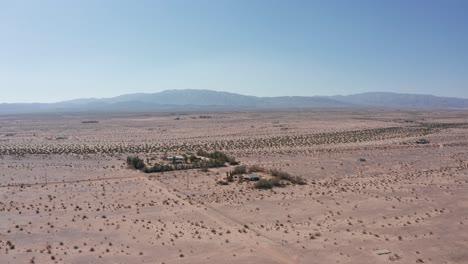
{"points": [[216, 160], [218, 156], [136, 163], [256, 168], [263, 184], [66, 196], [273, 142], [279, 179], [238, 170], [287, 177], [223, 183]]}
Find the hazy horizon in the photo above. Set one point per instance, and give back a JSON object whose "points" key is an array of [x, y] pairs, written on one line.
{"points": [[107, 97], [56, 50]]}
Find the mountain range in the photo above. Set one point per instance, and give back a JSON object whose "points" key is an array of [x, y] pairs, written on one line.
{"points": [[186, 100]]}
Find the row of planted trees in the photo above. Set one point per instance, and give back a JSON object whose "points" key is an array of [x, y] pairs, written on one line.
{"points": [[218, 155], [216, 159]]}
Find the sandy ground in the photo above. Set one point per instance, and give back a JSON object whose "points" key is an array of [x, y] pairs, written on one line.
{"points": [[67, 195]]}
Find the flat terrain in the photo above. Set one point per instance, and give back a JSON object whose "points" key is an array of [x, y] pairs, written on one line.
{"points": [[373, 195]]}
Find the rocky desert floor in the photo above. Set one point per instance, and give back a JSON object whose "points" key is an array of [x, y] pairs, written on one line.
{"points": [[373, 195]]}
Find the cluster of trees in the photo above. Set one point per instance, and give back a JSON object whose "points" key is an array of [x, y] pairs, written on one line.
{"points": [[219, 159], [238, 170], [161, 168], [136, 163], [278, 180], [216, 162], [219, 156]]}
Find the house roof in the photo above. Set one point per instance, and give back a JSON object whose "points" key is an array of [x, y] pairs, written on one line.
{"points": [[175, 157]]}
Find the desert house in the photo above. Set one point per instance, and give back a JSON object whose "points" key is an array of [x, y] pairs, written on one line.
{"points": [[251, 177], [176, 159]]}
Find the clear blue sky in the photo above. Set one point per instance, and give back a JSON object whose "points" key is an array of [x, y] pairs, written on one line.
{"points": [[65, 49]]}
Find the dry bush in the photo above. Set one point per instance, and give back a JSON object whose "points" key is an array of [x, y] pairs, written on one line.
{"points": [[282, 175], [263, 184], [239, 170], [256, 168]]}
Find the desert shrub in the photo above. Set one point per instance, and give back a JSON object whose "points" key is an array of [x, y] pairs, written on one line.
{"points": [[204, 167], [148, 170], [240, 179], [215, 163], [229, 177], [222, 183], [202, 153], [218, 156], [282, 175], [193, 158], [239, 170], [136, 163], [275, 182], [299, 180], [232, 161], [161, 168], [167, 167], [263, 184], [256, 168]]}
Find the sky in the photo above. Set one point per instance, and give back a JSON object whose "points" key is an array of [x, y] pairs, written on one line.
{"points": [[58, 50]]}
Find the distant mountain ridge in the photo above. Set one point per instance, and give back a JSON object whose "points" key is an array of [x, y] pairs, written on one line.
{"points": [[185, 100], [386, 99]]}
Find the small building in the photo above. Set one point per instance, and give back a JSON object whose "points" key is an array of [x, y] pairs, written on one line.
{"points": [[251, 177], [176, 159], [422, 141]]}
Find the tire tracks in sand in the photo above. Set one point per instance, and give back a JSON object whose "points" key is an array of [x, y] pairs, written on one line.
{"points": [[265, 245]]}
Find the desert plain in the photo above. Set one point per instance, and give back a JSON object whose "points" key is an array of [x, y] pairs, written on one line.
{"points": [[372, 193]]}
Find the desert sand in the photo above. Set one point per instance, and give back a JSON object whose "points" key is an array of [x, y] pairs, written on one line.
{"points": [[373, 195]]}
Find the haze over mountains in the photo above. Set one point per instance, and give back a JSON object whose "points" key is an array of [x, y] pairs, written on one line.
{"points": [[172, 100]]}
